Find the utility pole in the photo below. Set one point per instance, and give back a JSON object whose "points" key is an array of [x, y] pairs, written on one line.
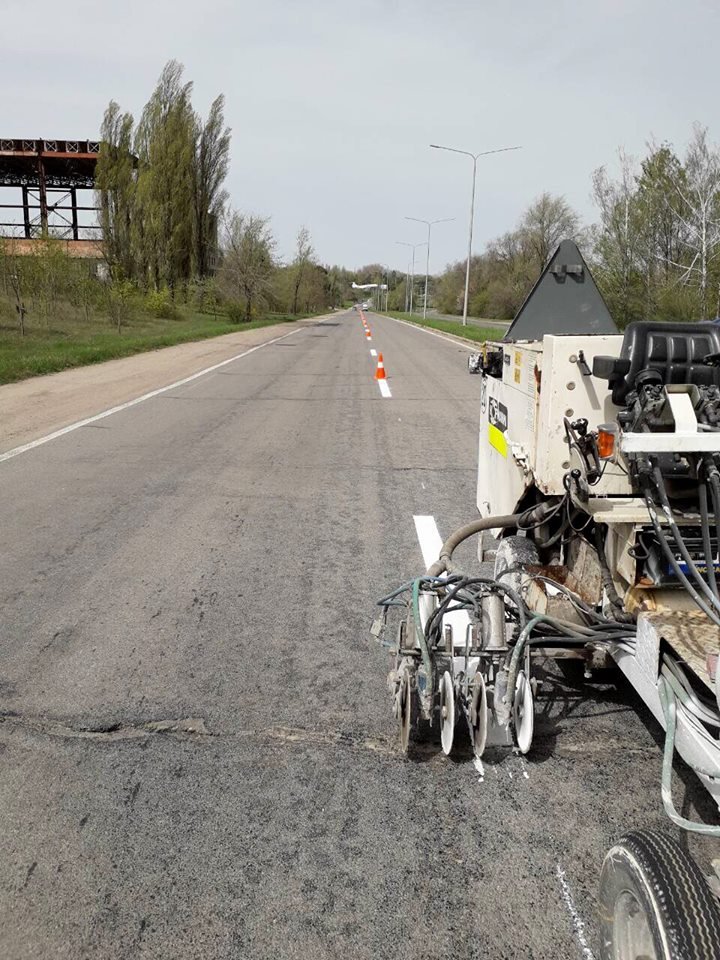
{"points": [[429, 224], [474, 157]]}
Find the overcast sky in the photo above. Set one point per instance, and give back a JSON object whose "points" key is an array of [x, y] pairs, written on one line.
{"points": [[333, 103]]}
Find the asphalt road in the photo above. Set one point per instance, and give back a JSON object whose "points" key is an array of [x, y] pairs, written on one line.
{"points": [[197, 754]]}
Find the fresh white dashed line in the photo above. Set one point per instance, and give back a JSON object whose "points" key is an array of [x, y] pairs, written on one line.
{"points": [[384, 388], [373, 353], [429, 538], [9, 454], [577, 921], [430, 545]]}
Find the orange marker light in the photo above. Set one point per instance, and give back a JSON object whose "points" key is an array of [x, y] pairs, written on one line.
{"points": [[606, 440]]}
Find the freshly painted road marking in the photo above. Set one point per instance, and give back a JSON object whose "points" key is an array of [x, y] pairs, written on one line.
{"points": [[433, 333], [373, 353], [384, 388], [429, 538], [577, 921], [9, 454]]}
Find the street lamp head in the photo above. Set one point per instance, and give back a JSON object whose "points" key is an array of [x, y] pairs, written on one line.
{"points": [[467, 153], [405, 243]]}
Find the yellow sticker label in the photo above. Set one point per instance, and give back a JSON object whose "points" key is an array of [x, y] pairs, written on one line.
{"points": [[497, 440], [518, 358], [517, 376]]}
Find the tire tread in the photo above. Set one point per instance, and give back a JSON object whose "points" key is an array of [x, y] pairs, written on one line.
{"points": [[689, 909]]}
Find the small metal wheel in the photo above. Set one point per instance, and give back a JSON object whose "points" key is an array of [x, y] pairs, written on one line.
{"points": [[655, 902], [414, 728], [523, 725], [447, 712], [405, 701], [478, 715]]}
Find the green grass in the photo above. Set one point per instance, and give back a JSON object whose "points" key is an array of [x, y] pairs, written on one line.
{"points": [[470, 332], [74, 342]]}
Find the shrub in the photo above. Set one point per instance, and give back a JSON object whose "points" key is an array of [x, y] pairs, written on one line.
{"points": [[160, 304], [235, 311], [120, 296]]}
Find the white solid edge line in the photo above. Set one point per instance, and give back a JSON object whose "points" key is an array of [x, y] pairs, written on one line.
{"points": [[433, 333], [384, 388], [9, 454], [373, 353]]}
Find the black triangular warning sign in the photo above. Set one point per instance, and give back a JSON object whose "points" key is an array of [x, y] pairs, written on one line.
{"points": [[564, 301]]}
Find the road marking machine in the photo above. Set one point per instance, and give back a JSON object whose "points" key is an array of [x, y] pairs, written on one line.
{"points": [[599, 473]]}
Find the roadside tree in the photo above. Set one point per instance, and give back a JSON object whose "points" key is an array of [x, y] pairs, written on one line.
{"points": [[248, 260]]}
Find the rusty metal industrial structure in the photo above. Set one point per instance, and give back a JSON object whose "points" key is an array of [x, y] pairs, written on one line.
{"points": [[49, 174]]}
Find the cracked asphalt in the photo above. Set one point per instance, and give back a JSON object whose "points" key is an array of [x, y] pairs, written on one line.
{"points": [[197, 754]]}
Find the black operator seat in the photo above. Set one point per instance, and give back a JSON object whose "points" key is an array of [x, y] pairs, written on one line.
{"points": [[676, 350]]}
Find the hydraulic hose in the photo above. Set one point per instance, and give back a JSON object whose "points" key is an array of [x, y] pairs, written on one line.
{"points": [[419, 633], [669, 707], [714, 479], [707, 544], [686, 695], [460, 592], [517, 653], [670, 557], [607, 580], [680, 543], [442, 564]]}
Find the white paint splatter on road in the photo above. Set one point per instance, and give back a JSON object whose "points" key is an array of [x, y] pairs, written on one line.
{"points": [[577, 921]]}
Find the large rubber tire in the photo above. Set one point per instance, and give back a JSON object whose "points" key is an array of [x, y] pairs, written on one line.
{"points": [[648, 872]]}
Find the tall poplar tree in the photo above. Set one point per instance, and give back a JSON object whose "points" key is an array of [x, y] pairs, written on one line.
{"points": [[161, 185], [115, 179], [211, 163]]}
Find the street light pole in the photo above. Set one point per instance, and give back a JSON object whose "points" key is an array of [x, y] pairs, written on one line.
{"points": [[474, 157], [412, 282], [429, 224], [404, 243]]}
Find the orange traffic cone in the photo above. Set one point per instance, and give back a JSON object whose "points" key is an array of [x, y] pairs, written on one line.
{"points": [[368, 335], [380, 372]]}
